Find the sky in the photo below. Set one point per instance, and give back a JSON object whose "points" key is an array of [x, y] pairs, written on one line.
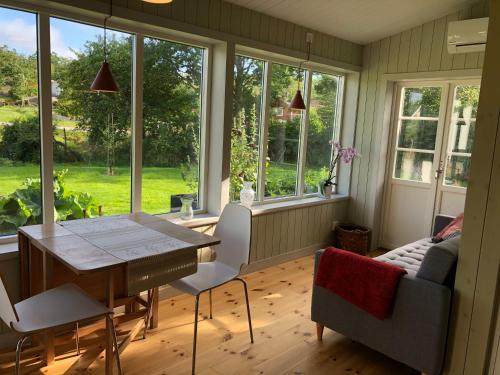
{"points": [[18, 31]]}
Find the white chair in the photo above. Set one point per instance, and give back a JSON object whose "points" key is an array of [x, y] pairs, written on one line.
{"points": [[234, 231], [66, 304]]}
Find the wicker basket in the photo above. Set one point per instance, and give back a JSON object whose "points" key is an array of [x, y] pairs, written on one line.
{"points": [[353, 238]]}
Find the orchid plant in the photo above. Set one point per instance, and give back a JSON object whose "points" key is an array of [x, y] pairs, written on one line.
{"points": [[346, 154]]}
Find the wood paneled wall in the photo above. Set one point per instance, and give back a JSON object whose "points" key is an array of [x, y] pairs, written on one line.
{"points": [[420, 49], [291, 230], [226, 21]]}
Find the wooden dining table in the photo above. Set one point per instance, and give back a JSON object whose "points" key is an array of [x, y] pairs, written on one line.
{"points": [[113, 259]]}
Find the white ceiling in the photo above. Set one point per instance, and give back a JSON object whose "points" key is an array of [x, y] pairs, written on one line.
{"points": [[360, 21]]}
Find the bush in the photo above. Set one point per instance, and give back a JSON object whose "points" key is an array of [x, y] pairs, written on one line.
{"points": [[24, 206], [21, 141]]}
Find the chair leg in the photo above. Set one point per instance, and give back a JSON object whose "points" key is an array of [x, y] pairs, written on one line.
{"points": [[319, 331], [196, 305], [248, 308], [210, 298], [77, 339], [18, 354], [115, 344]]}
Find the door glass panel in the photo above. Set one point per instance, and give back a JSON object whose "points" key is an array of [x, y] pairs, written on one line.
{"points": [[422, 101], [418, 134], [457, 170], [415, 166], [461, 135], [417, 130]]}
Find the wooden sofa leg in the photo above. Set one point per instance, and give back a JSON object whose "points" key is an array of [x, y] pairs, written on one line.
{"points": [[319, 331]]}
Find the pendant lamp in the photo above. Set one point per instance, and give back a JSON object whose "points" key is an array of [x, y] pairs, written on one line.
{"points": [[104, 81], [298, 101]]}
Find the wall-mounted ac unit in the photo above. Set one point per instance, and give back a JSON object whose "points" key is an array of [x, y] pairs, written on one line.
{"points": [[468, 35]]}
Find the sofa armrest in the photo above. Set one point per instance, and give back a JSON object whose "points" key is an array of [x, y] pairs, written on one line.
{"points": [[317, 257], [440, 222]]}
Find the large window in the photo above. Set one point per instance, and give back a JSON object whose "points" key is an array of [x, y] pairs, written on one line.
{"points": [[285, 127], [296, 160], [247, 121], [20, 188], [323, 128], [91, 131], [173, 82]]}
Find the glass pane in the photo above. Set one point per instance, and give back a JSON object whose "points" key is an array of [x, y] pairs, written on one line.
{"points": [[465, 102], [91, 130], [172, 114], [20, 192], [417, 134], [462, 136], [284, 132], [247, 106], [414, 166], [421, 101], [457, 171], [322, 127]]}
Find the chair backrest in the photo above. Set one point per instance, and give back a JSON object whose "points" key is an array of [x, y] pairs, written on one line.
{"points": [[7, 312], [234, 230]]}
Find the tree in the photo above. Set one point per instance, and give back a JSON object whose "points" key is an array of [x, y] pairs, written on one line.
{"points": [[19, 74], [106, 118]]}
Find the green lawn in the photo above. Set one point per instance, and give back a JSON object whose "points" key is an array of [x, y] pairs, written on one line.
{"points": [[113, 192], [10, 113]]}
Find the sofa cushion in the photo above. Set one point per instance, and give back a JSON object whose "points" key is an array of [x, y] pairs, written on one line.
{"points": [[409, 256], [439, 260]]}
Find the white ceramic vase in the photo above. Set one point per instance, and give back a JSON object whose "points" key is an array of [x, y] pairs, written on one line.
{"points": [[247, 194]]}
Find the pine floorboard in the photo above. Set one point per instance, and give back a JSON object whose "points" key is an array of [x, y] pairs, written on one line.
{"points": [[285, 337]]}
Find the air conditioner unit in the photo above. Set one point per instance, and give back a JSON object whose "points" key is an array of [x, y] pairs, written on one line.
{"points": [[468, 35]]}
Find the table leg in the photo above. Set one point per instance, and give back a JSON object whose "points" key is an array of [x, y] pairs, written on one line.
{"points": [[47, 284], [109, 333], [154, 308]]}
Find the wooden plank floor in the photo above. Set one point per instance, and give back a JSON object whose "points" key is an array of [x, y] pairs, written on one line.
{"points": [[285, 339]]}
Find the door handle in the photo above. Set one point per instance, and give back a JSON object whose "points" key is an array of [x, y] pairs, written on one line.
{"points": [[439, 170]]}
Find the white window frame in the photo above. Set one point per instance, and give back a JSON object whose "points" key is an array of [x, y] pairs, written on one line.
{"points": [[309, 68]]}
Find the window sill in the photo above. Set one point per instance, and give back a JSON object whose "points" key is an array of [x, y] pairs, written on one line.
{"points": [[271, 207], [261, 209]]}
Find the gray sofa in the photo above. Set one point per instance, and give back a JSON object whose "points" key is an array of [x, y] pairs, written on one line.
{"points": [[416, 331]]}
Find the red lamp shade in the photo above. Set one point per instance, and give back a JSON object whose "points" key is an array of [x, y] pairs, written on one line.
{"points": [[104, 81], [298, 101]]}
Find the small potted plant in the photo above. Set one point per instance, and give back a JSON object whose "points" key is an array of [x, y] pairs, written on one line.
{"points": [[346, 154]]}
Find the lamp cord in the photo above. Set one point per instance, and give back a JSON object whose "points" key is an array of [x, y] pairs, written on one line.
{"points": [[105, 29], [303, 61]]}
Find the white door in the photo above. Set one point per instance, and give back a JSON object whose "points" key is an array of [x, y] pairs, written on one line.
{"points": [[430, 154]]}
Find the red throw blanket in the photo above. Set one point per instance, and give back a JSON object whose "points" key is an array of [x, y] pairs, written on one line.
{"points": [[367, 283]]}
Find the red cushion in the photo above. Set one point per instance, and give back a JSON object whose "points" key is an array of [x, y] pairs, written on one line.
{"points": [[453, 227]]}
